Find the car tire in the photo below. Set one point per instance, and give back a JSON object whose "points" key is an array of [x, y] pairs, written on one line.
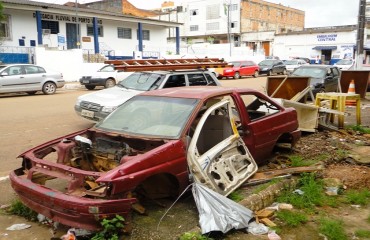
{"points": [[49, 88], [90, 87], [256, 73], [236, 75], [269, 73], [110, 83], [32, 93]]}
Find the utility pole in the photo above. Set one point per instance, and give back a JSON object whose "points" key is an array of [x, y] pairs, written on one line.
{"points": [[228, 27], [360, 34]]}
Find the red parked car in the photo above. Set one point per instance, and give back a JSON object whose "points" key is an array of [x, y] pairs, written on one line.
{"points": [[153, 145], [239, 69]]}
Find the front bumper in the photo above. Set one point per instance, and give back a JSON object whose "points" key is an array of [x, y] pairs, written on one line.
{"points": [[95, 116], [93, 81], [74, 211]]}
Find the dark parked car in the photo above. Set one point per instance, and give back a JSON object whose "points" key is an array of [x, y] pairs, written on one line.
{"points": [[239, 69], [271, 66], [324, 78], [145, 148]]}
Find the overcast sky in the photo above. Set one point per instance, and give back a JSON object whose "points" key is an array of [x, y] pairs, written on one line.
{"points": [[319, 13]]}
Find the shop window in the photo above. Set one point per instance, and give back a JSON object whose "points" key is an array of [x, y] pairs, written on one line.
{"points": [[124, 33], [90, 30], [52, 25], [32, 43]]}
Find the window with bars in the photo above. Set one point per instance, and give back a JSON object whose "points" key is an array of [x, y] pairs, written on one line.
{"points": [[90, 30], [52, 25], [124, 33], [146, 34], [5, 28], [213, 11], [213, 26], [194, 28], [233, 7]]}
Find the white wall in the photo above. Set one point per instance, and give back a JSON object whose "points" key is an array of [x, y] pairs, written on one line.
{"points": [[70, 63]]}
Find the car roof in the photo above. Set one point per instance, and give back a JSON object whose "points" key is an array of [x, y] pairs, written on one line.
{"points": [[196, 92], [317, 66], [177, 71]]}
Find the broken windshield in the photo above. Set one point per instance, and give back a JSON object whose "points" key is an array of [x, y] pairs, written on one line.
{"points": [[152, 116], [142, 81]]}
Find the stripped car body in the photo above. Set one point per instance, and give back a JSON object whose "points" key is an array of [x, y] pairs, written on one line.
{"points": [[142, 148]]}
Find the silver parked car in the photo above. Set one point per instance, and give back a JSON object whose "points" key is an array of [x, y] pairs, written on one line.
{"points": [[29, 78], [97, 105]]}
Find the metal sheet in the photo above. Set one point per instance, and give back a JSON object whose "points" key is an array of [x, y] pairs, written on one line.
{"points": [[219, 213]]}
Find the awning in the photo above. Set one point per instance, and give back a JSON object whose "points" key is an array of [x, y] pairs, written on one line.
{"points": [[325, 48]]}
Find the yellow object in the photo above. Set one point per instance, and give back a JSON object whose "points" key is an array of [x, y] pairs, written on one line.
{"points": [[338, 102]]}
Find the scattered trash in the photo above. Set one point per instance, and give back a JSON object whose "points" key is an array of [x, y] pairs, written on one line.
{"points": [[272, 235], [298, 191], [356, 206], [19, 226], [331, 191], [285, 206], [257, 228], [4, 206], [69, 236]]}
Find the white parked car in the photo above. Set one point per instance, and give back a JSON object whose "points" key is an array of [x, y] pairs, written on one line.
{"points": [[29, 78], [106, 76], [293, 64], [97, 105], [345, 64]]}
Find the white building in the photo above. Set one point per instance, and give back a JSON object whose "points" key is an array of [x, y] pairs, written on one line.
{"points": [[329, 44], [29, 25]]}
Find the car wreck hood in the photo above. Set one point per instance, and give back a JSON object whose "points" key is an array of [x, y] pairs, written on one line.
{"points": [[112, 96]]}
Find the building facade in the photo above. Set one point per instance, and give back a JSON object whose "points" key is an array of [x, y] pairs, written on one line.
{"points": [[31, 24], [328, 44]]}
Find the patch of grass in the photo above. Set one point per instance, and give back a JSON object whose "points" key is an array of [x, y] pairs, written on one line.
{"points": [[342, 153], [236, 196], [368, 219], [332, 229], [362, 233], [359, 128], [112, 229], [18, 208], [313, 194], [291, 219], [193, 236], [360, 197]]}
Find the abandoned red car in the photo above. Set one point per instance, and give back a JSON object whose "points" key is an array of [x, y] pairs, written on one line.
{"points": [[153, 145]]}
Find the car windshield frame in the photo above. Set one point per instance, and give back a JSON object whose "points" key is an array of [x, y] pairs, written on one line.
{"points": [[151, 116], [142, 81], [314, 72]]}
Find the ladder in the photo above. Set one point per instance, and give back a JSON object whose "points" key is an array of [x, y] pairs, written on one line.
{"points": [[167, 64]]}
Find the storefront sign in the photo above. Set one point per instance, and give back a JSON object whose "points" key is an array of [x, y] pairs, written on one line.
{"points": [[327, 37], [64, 18]]}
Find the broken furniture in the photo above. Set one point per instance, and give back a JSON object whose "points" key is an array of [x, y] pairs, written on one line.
{"points": [[337, 101]]}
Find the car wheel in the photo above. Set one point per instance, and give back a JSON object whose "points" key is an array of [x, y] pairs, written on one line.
{"points": [[32, 93], [90, 87], [110, 83], [49, 88], [236, 75], [269, 73], [255, 74]]}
